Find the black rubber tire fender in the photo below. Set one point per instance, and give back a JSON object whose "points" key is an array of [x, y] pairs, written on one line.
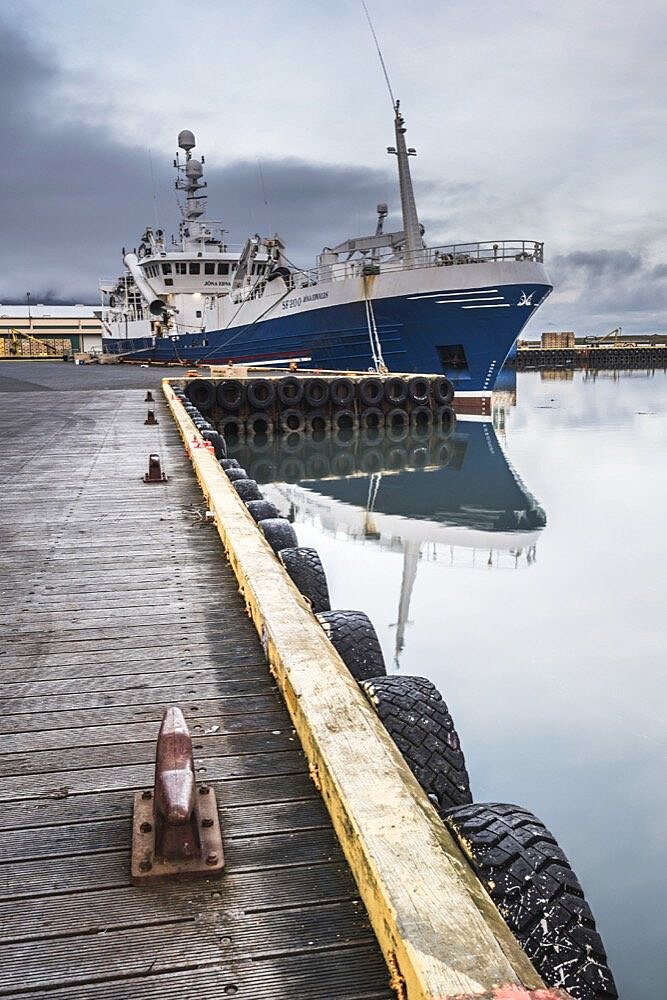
{"points": [[201, 393], [279, 533], [443, 391], [418, 720], [444, 421], [292, 420], [305, 568], [247, 489], [317, 422], [260, 510], [218, 442], [231, 426], [421, 416], [395, 391], [530, 880], [371, 391], [372, 417], [259, 423], [230, 394], [419, 390], [342, 391], [344, 420], [316, 392], [236, 472], [355, 640], [229, 463], [290, 390], [261, 393]]}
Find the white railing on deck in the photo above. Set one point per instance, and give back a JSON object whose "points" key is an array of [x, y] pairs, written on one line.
{"points": [[442, 256]]}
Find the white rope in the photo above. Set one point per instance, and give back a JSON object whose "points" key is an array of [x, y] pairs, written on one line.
{"points": [[376, 348]]}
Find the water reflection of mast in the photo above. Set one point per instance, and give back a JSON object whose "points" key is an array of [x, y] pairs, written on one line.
{"points": [[411, 554]]}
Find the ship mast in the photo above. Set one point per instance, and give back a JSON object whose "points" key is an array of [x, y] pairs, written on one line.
{"points": [[190, 181], [411, 227]]}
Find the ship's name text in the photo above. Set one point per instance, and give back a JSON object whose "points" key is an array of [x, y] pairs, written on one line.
{"points": [[302, 299]]}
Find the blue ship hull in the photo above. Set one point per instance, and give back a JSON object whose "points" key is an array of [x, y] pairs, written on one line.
{"points": [[416, 335]]}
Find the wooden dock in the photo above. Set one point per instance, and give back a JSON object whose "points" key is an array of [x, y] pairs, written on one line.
{"points": [[117, 602], [341, 881]]}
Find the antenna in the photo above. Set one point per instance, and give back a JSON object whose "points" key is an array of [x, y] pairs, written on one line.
{"points": [[155, 212], [264, 196], [394, 103]]}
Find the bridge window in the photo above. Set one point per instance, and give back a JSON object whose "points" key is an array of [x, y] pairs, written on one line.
{"points": [[166, 267], [223, 267], [181, 268], [194, 267], [209, 267]]}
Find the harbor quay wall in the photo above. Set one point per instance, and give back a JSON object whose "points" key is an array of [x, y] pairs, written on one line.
{"points": [[631, 356], [439, 931]]}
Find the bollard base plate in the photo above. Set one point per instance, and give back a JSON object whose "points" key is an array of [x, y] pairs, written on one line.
{"points": [[208, 862]]}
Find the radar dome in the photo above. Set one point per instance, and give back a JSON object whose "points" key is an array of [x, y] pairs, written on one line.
{"points": [[193, 169], [186, 139]]}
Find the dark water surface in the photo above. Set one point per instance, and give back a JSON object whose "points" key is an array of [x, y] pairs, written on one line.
{"points": [[523, 571]]}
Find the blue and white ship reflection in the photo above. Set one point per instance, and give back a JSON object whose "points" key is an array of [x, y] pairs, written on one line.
{"points": [[457, 500]]}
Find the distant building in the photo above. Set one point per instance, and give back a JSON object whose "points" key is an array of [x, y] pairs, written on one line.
{"points": [[60, 329], [553, 339]]}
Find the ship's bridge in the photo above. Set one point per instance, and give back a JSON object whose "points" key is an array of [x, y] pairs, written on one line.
{"points": [[174, 273]]}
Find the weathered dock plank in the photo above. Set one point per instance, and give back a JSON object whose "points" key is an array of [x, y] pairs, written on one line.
{"points": [[119, 603]]}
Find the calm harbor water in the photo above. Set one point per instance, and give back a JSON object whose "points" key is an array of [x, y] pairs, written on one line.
{"points": [[520, 566]]}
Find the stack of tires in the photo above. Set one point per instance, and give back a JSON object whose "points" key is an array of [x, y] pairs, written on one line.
{"points": [[315, 404]]}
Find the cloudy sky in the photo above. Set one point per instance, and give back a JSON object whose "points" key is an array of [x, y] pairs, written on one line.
{"points": [[531, 120]]}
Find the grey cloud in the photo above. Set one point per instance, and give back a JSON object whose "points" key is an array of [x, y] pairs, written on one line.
{"points": [[604, 289], [598, 264], [74, 197]]}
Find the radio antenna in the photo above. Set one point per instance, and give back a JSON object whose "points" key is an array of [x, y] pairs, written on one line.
{"points": [[379, 51]]}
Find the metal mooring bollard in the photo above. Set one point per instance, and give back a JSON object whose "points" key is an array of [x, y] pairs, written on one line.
{"points": [[175, 827], [150, 419], [149, 397], [155, 473]]}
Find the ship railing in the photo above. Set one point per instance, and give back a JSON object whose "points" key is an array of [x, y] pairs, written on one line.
{"points": [[451, 255]]}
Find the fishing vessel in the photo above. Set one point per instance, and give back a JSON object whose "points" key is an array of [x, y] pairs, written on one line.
{"points": [[384, 301]]}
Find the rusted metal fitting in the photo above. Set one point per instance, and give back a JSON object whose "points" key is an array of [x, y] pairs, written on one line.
{"points": [[175, 827], [155, 473], [150, 419], [149, 397]]}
